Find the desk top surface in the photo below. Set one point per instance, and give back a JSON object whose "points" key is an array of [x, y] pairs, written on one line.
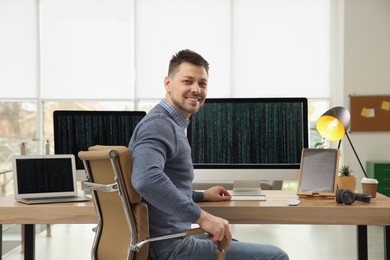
{"points": [[311, 210], [274, 210], [14, 212]]}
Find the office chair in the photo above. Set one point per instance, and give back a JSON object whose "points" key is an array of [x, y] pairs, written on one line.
{"points": [[123, 224]]}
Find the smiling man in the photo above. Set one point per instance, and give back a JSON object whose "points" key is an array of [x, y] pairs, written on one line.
{"points": [[163, 172], [186, 87]]}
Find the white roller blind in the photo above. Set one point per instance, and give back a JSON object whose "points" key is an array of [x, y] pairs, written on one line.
{"points": [[281, 48], [165, 27], [87, 49], [256, 48], [18, 49]]}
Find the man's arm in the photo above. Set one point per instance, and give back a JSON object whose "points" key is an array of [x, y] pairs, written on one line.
{"points": [[216, 193], [217, 228]]}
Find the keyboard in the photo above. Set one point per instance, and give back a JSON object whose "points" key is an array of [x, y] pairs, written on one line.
{"points": [[248, 197]]}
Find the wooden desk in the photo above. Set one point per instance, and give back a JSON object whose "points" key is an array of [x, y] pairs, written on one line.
{"points": [[13, 212], [273, 211]]}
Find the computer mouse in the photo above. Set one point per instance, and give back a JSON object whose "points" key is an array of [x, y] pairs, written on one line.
{"points": [[293, 202]]}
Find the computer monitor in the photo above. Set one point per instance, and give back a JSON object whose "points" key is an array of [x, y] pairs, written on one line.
{"points": [[247, 140], [76, 130]]}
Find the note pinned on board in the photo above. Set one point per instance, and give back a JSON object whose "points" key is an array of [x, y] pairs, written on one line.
{"points": [[368, 112], [385, 105], [365, 120]]}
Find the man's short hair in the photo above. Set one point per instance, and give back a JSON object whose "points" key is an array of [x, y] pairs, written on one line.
{"points": [[186, 56]]}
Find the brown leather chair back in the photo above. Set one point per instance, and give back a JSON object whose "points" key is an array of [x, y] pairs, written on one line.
{"points": [[123, 220]]}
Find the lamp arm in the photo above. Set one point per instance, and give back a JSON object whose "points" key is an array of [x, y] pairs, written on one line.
{"points": [[353, 148]]}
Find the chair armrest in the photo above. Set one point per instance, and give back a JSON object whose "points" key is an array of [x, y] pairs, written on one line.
{"points": [[101, 187], [190, 232]]}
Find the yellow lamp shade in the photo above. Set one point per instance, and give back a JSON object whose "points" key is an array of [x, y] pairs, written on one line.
{"points": [[333, 124]]}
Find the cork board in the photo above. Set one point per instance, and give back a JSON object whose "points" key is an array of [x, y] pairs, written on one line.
{"points": [[370, 113]]}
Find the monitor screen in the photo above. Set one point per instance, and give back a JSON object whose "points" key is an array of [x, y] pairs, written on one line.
{"points": [[249, 133], [76, 130]]}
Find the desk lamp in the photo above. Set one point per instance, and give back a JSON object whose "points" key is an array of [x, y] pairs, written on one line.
{"points": [[333, 125]]}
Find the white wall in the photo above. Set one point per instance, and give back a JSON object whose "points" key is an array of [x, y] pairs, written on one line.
{"points": [[366, 71]]}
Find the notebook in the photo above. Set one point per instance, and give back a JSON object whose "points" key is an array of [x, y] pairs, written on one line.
{"points": [[46, 179]]}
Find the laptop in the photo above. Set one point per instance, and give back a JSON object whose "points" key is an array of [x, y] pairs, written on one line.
{"points": [[46, 179]]}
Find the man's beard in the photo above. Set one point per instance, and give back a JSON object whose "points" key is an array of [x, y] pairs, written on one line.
{"points": [[183, 107]]}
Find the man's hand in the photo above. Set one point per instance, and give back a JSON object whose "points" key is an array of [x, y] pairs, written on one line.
{"points": [[216, 193], [218, 228]]}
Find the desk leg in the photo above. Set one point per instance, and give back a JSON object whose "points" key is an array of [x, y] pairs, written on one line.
{"points": [[1, 240], [29, 241], [362, 242], [387, 241]]}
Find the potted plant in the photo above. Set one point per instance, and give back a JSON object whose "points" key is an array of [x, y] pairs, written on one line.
{"points": [[346, 180]]}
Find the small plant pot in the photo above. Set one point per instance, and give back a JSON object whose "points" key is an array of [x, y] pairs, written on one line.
{"points": [[346, 182]]}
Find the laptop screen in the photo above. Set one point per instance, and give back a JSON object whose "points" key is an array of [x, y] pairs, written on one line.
{"points": [[37, 176]]}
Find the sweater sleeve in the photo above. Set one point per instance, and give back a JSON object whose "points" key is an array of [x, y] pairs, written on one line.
{"points": [[197, 196]]}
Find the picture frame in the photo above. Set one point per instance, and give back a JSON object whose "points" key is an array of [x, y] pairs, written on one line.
{"points": [[318, 172]]}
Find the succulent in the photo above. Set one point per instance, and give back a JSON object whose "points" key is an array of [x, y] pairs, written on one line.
{"points": [[345, 170]]}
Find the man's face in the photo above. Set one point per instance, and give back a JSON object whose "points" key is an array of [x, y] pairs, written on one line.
{"points": [[186, 89]]}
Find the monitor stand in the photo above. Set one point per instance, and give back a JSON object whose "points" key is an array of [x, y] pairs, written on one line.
{"points": [[249, 188]]}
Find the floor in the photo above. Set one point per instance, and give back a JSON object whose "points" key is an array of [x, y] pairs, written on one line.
{"points": [[301, 242]]}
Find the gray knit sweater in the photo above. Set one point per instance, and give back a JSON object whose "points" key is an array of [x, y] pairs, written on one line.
{"points": [[163, 170]]}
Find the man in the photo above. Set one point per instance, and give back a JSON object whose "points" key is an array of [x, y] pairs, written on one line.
{"points": [[163, 172]]}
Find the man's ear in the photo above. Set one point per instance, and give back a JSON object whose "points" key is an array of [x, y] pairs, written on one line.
{"points": [[167, 84]]}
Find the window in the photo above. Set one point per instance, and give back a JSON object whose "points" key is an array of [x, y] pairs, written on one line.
{"points": [[89, 55]]}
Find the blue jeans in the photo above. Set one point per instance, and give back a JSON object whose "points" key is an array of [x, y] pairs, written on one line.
{"points": [[199, 247]]}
